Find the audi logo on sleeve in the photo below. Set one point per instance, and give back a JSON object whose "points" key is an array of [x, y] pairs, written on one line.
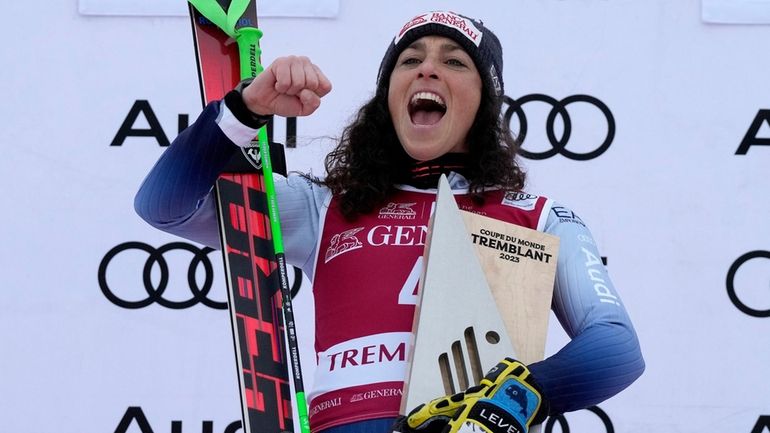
{"points": [[564, 426], [739, 263], [560, 134], [156, 270]]}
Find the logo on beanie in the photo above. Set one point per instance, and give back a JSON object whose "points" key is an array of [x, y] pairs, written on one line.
{"points": [[449, 19]]}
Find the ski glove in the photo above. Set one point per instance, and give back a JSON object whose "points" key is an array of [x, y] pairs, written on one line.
{"points": [[506, 401]]}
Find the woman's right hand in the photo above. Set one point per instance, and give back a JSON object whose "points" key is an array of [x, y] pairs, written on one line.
{"points": [[291, 86]]}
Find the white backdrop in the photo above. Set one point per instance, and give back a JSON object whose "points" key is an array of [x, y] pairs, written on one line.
{"points": [[670, 203]]}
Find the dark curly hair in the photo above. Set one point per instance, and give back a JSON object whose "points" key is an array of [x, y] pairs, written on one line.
{"points": [[369, 159]]}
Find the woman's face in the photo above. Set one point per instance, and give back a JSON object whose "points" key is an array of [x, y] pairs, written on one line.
{"points": [[434, 94]]}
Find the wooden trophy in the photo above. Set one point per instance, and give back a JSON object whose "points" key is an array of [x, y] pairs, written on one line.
{"points": [[484, 295]]}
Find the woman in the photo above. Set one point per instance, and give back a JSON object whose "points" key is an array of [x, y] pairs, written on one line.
{"points": [[436, 110]]}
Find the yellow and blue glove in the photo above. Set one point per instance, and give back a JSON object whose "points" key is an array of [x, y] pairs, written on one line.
{"points": [[506, 401]]}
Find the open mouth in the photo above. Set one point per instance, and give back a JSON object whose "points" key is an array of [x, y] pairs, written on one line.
{"points": [[426, 108]]}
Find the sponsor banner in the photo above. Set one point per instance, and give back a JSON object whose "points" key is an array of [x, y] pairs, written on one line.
{"points": [[371, 359], [758, 133], [176, 275], [736, 11], [560, 423], [154, 8], [744, 286], [559, 124], [136, 419]]}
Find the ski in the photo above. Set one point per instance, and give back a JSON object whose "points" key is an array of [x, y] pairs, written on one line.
{"points": [[252, 272]]}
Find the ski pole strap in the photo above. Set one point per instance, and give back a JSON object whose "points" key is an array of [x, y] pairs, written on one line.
{"points": [[225, 20], [249, 52]]}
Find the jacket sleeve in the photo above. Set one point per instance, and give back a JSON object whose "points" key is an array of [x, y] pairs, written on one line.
{"points": [[603, 356], [176, 196]]}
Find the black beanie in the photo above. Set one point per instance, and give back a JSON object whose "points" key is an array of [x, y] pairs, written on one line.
{"points": [[478, 41]]}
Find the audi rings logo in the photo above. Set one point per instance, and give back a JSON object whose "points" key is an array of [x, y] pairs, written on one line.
{"points": [[731, 276], [564, 425], [558, 138], [155, 290]]}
